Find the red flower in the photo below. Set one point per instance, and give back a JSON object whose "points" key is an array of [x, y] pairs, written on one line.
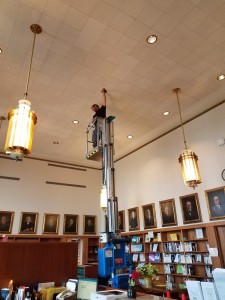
{"points": [[134, 275]]}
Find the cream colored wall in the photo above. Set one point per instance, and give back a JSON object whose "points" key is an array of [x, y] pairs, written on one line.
{"points": [[153, 173], [32, 194], [147, 176]]}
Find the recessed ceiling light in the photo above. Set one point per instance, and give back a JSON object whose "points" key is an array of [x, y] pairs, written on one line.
{"points": [[221, 77], [55, 143], [75, 122], [152, 39], [166, 113], [1, 51], [130, 136]]}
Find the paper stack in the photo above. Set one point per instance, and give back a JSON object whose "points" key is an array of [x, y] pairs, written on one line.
{"points": [[219, 279]]}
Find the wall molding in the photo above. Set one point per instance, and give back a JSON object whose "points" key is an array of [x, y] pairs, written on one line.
{"points": [[66, 184], [9, 178], [66, 167]]}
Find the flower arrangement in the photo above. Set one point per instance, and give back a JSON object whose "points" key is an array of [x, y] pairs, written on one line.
{"points": [[133, 277], [147, 270]]}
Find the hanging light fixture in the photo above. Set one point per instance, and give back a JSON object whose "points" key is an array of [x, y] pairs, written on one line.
{"points": [[22, 119], [2, 118], [188, 159], [103, 198]]}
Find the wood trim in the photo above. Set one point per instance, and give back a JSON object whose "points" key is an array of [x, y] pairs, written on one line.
{"points": [[9, 178], [65, 167], [66, 184], [174, 228]]}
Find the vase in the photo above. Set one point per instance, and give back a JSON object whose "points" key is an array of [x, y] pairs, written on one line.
{"points": [[148, 282], [131, 292]]}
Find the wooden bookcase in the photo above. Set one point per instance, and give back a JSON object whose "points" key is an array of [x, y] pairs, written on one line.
{"points": [[87, 244], [178, 252]]}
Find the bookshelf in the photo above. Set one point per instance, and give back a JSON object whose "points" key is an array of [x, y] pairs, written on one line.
{"points": [[179, 253]]}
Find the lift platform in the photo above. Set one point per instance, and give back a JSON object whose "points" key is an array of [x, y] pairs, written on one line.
{"points": [[115, 264]]}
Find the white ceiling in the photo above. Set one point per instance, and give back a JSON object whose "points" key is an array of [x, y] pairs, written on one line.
{"points": [[90, 44]]}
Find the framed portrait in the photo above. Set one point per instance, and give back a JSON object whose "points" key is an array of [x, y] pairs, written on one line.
{"points": [[168, 212], [70, 225], [121, 220], [133, 217], [89, 224], [6, 221], [51, 223], [149, 218], [216, 203], [28, 222], [190, 208]]}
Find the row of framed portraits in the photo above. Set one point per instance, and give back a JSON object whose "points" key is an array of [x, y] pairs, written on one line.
{"points": [[190, 208], [29, 222]]}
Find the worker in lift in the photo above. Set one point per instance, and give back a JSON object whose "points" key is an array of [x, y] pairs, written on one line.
{"points": [[100, 112]]}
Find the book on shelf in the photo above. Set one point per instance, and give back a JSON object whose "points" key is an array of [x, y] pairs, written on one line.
{"points": [[136, 247], [188, 258], [157, 257], [184, 269], [199, 233], [147, 238], [151, 257], [158, 237], [135, 239], [198, 258], [167, 258], [177, 258], [141, 264], [208, 271], [179, 269], [155, 247], [219, 279], [142, 257], [135, 257], [182, 259], [173, 237], [207, 259]]}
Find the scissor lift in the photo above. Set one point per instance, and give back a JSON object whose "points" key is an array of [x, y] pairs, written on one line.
{"points": [[115, 264]]}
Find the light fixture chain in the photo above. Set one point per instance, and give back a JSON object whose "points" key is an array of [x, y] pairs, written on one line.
{"points": [[181, 121], [31, 59]]}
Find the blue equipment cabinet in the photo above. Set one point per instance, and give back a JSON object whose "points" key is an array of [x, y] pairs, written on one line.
{"points": [[115, 264]]}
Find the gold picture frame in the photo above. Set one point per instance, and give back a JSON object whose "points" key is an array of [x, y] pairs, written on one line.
{"points": [[133, 219], [121, 220], [6, 221], [50, 223], [168, 212], [89, 224], [149, 216], [28, 222], [190, 208], [215, 199], [70, 224]]}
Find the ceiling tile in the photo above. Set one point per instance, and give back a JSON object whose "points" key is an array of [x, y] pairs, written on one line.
{"points": [[120, 21], [103, 12], [75, 19], [128, 64], [56, 9], [149, 15], [133, 7]]}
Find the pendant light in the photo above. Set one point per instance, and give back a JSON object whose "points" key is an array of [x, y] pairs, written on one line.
{"points": [[103, 198], [188, 159], [22, 119]]}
